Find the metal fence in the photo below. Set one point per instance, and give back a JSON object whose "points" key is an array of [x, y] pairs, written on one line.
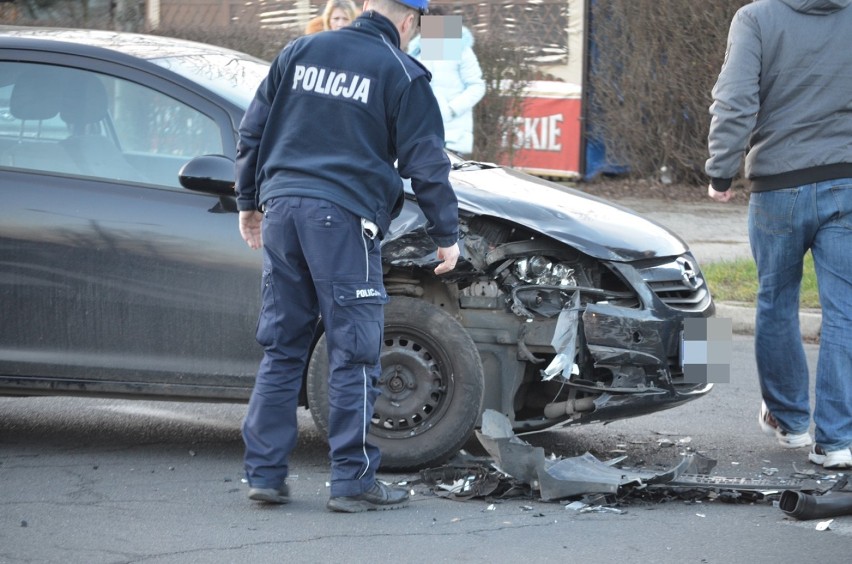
{"points": [[540, 26]]}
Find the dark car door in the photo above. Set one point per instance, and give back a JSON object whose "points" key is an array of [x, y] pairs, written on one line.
{"points": [[114, 279]]}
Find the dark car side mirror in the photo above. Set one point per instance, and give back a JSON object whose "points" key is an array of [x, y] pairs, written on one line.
{"points": [[211, 174]]}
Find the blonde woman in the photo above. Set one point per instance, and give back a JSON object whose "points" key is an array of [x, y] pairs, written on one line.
{"points": [[337, 14]]}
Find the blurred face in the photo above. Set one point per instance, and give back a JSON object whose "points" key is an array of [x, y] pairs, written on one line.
{"points": [[338, 19]]}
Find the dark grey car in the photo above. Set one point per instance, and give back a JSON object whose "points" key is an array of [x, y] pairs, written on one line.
{"points": [[117, 279]]}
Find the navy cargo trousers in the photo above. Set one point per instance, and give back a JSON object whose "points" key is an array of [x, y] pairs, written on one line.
{"points": [[317, 259]]}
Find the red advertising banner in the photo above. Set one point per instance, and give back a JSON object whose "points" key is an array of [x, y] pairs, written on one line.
{"points": [[548, 134]]}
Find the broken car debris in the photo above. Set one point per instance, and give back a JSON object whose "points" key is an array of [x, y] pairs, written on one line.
{"points": [[558, 478], [516, 468]]}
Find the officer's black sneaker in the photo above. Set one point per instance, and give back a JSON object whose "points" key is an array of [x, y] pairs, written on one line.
{"points": [[270, 495], [378, 498]]}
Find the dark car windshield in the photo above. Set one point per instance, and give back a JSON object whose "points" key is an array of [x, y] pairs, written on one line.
{"points": [[233, 77]]}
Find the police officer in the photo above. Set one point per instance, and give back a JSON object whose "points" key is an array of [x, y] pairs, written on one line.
{"points": [[316, 154]]}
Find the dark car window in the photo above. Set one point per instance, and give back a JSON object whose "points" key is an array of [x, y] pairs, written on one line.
{"points": [[73, 121]]}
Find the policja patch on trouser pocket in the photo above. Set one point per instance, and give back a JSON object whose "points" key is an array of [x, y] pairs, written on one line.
{"points": [[358, 322]]}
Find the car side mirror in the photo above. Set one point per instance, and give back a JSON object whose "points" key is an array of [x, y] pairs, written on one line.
{"points": [[211, 174]]}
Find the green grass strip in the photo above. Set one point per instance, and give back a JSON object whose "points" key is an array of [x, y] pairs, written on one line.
{"points": [[736, 281]]}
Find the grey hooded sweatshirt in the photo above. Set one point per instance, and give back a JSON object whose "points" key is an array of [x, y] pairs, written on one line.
{"points": [[784, 95]]}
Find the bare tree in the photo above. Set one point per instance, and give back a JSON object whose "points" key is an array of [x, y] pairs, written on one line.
{"points": [[652, 70], [507, 70], [68, 13], [128, 15]]}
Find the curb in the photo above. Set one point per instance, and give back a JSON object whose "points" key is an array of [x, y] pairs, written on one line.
{"points": [[742, 318]]}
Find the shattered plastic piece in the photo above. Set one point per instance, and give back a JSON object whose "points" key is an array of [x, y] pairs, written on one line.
{"points": [[614, 461], [769, 471], [456, 487], [576, 505], [806, 473], [824, 525], [557, 479], [739, 484], [700, 464], [491, 507], [461, 482], [565, 341], [580, 475], [602, 509]]}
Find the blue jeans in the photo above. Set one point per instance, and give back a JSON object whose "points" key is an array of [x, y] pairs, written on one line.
{"points": [[783, 225]]}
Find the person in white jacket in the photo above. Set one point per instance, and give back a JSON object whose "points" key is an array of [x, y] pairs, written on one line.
{"points": [[456, 81]]}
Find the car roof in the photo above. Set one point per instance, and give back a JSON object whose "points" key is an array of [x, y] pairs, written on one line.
{"points": [[229, 74], [85, 40]]}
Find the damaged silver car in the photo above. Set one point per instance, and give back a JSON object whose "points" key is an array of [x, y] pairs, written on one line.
{"points": [[117, 279]]}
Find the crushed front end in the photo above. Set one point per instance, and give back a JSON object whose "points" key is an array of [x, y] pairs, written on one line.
{"points": [[615, 327], [565, 338]]}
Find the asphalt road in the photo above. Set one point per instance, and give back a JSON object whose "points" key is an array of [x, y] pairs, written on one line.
{"points": [[97, 481], [714, 231]]}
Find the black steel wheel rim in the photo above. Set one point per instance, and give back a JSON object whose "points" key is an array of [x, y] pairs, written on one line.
{"points": [[416, 385]]}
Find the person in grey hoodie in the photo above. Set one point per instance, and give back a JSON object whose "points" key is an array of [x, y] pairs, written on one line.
{"points": [[783, 100]]}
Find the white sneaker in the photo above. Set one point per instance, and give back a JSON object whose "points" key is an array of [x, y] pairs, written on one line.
{"points": [[831, 459], [771, 427]]}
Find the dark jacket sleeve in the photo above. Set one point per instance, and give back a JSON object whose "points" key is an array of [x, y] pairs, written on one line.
{"points": [[420, 138], [251, 131]]}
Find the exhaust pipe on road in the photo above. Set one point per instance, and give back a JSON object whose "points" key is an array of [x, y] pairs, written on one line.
{"points": [[808, 506]]}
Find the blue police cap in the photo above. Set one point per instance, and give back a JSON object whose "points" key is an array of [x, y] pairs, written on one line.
{"points": [[421, 5]]}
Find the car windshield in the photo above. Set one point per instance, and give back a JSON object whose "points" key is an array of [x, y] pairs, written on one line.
{"points": [[234, 78]]}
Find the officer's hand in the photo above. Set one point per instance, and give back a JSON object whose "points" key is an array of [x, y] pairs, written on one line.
{"points": [[250, 228], [450, 256], [720, 196]]}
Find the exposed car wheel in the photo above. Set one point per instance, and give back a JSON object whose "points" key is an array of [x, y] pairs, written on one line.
{"points": [[431, 384]]}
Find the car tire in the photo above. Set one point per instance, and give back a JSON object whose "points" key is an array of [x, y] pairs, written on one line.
{"points": [[432, 386]]}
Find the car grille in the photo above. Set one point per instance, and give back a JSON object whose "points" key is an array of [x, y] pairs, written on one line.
{"points": [[679, 284]]}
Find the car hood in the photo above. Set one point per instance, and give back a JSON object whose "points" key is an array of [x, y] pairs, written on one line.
{"points": [[592, 225]]}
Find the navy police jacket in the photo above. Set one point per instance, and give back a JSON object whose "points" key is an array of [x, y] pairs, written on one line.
{"points": [[334, 113]]}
